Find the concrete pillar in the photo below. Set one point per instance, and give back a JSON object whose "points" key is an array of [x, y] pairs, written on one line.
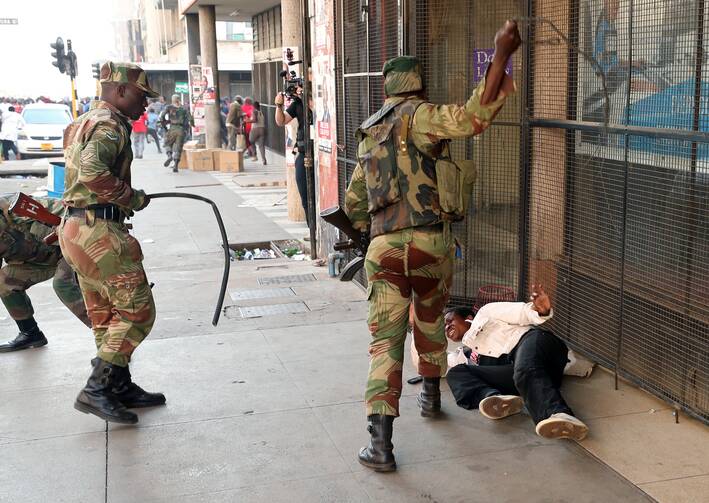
{"points": [[208, 46], [291, 24], [193, 50]]}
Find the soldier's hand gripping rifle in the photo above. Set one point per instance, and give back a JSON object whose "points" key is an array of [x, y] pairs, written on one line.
{"points": [[358, 241], [24, 206]]}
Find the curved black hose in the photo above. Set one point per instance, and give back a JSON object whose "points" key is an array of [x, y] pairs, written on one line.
{"points": [[225, 243]]}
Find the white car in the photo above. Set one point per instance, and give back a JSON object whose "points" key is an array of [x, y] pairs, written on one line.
{"points": [[43, 132]]}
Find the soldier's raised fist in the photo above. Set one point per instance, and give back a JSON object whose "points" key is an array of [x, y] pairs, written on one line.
{"points": [[507, 40]]}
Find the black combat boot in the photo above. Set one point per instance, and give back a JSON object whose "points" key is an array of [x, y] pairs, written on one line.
{"points": [[169, 160], [133, 396], [379, 455], [430, 397], [97, 397], [174, 166], [25, 340]]}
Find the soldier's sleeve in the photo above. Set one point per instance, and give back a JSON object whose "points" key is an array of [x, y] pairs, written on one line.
{"points": [[232, 113], [440, 122], [97, 157], [356, 204]]}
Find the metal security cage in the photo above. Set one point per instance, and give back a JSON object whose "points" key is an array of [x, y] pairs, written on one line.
{"points": [[618, 177], [594, 179]]}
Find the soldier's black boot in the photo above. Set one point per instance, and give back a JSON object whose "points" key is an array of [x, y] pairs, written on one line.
{"points": [[133, 396], [430, 397], [379, 455], [169, 160], [174, 166], [25, 339], [97, 397]]}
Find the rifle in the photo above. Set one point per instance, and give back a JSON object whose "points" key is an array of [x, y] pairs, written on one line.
{"points": [[358, 241], [24, 206]]}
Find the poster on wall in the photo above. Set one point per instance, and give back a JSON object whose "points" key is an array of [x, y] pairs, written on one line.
{"points": [[324, 86], [209, 94], [655, 89], [196, 99]]}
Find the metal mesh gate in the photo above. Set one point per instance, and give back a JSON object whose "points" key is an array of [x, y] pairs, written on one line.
{"points": [[618, 186], [453, 39]]}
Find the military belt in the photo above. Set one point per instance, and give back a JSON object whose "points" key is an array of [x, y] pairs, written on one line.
{"points": [[102, 211]]}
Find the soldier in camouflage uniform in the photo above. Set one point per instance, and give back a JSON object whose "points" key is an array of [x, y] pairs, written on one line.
{"points": [[396, 194], [96, 243], [30, 261], [178, 120]]}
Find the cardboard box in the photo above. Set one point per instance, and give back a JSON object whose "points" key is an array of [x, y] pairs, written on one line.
{"points": [[201, 160], [193, 144], [229, 161], [184, 161]]}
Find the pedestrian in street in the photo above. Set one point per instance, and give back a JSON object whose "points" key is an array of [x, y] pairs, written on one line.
{"points": [[140, 130], [406, 191], [29, 261], [246, 109], [519, 364], [178, 119], [234, 121], [257, 136], [11, 123], [96, 243], [153, 129]]}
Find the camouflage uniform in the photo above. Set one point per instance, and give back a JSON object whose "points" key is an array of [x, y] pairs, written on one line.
{"points": [[233, 123], [394, 194], [106, 258], [29, 261], [179, 120]]}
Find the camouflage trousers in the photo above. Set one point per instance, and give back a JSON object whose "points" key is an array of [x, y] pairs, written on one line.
{"points": [[15, 279], [108, 262], [174, 139], [409, 266]]}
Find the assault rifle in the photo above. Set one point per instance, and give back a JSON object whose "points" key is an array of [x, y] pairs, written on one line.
{"points": [[24, 206], [358, 241]]}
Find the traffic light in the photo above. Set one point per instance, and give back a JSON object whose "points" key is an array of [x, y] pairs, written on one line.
{"points": [[96, 69], [59, 55], [70, 60]]}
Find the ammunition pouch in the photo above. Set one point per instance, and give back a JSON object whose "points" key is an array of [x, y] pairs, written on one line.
{"points": [[455, 180]]}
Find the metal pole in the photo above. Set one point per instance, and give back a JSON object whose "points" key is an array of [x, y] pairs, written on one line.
{"points": [[73, 100], [309, 173]]}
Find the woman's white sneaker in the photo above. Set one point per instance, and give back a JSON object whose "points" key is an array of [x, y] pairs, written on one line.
{"points": [[500, 406], [562, 425]]}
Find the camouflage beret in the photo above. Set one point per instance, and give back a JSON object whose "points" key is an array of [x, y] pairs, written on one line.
{"points": [[127, 73], [403, 74]]}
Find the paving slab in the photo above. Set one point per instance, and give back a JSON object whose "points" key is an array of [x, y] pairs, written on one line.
{"points": [[640, 446], [537, 474], [68, 469], [682, 490], [335, 488], [218, 455]]}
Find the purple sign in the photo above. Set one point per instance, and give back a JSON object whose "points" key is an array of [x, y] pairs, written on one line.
{"points": [[481, 60]]}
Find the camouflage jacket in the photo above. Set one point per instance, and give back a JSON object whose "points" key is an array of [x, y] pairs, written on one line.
{"points": [[176, 117], [21, 238], [406, 195], [234, 115], [98, 155]]}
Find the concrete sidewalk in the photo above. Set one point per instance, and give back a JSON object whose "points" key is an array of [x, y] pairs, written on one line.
{"points": [[261, 409]]}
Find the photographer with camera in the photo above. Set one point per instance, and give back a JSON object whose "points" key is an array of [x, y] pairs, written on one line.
{"points": [[296, 111]]}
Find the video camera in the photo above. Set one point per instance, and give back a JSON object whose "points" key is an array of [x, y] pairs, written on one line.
{"points": [[290, 78]]}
